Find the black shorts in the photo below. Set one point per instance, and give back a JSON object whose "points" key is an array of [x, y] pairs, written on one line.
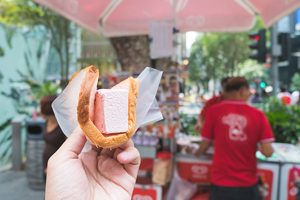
{"points": [[234, 193]]}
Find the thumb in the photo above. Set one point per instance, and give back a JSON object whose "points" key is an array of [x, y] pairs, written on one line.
{"points": [[73, 146], [296, 175]]}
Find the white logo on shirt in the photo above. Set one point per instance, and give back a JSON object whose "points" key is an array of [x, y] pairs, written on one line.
{"points": [[236, 125]]}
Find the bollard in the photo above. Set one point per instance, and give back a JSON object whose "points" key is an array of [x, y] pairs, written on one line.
{"points": [[16, 142]]}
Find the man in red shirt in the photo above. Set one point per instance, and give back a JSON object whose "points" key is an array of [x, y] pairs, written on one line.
{"points": [[284, 96], [213, 101], [235, 128]]}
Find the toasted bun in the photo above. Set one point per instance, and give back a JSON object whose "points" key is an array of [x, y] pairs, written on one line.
{"points": [[76, 73], [84, 111]]}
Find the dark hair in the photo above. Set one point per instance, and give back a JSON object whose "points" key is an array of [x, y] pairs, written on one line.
{"points": [[224, 80], [236, 83], [45, 104], [283, 89]]}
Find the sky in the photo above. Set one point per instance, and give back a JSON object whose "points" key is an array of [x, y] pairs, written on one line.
{"points": [[190, 39]]}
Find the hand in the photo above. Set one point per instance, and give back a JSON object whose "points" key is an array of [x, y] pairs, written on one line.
{"points": [[204, 146], [198, 153], [296, 179], [296, 176], [198, 127], [97, 174], [199, 124]]}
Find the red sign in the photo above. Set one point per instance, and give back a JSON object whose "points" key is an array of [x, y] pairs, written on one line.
{"points": [[195, 172], [147, 192], [146, 164], [267, 183], [139, 194], [199, 171], [201, 197], [292, 190]]}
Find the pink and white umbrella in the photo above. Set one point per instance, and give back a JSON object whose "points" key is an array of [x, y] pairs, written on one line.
{"points": [[132, 17]]}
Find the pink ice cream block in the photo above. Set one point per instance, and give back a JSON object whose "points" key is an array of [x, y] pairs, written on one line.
{"points": [[111, 111]]}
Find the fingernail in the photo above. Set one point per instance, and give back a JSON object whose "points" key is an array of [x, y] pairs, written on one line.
{"points": [[124, 155]]}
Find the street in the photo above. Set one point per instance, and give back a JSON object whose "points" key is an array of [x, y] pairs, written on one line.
{"points": [[14, 186]]}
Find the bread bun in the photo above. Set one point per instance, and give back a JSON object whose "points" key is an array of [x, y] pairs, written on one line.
{"points": [[85, 114]]}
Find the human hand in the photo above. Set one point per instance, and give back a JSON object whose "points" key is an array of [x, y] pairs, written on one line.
{"points": [[296, 179], [192, 149], [198, 153], [198, 127], [296, 176], [97, 174]]}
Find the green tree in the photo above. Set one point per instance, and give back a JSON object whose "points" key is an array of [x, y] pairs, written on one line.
{"points": [[295, 85], [251, 70], [215, 55], [20, 13], [196, 67]]}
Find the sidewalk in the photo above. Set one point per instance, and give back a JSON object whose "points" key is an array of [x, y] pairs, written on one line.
{"points": [[14, 186]]}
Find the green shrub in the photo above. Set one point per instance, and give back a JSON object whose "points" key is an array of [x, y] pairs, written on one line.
{"points": [[187, 124], [284, 120]]}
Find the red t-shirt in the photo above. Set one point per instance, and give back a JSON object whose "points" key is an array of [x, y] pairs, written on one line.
{"points": [[286, 100], [236, 128], [213, 101]]}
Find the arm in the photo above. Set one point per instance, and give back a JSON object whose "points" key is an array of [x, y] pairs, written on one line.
{"points": [[267, 149], [204, 145], [266, 137], [200, 120]]}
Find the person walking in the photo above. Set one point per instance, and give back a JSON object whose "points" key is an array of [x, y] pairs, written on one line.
{"points": [[284, 96]]}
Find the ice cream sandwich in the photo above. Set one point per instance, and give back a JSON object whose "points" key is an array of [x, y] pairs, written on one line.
{"points": [[107, 117]]}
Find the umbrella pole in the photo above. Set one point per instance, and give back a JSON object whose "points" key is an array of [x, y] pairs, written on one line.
{"points": [[174, 57]]}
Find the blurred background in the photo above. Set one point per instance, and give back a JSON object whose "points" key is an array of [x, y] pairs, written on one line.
{"points": [[195, 44]]}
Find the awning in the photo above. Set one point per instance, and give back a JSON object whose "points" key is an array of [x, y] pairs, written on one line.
{"points": [[132, 17]]}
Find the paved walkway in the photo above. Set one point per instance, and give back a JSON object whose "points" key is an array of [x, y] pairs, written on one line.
{"points": [[14, 186]]}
